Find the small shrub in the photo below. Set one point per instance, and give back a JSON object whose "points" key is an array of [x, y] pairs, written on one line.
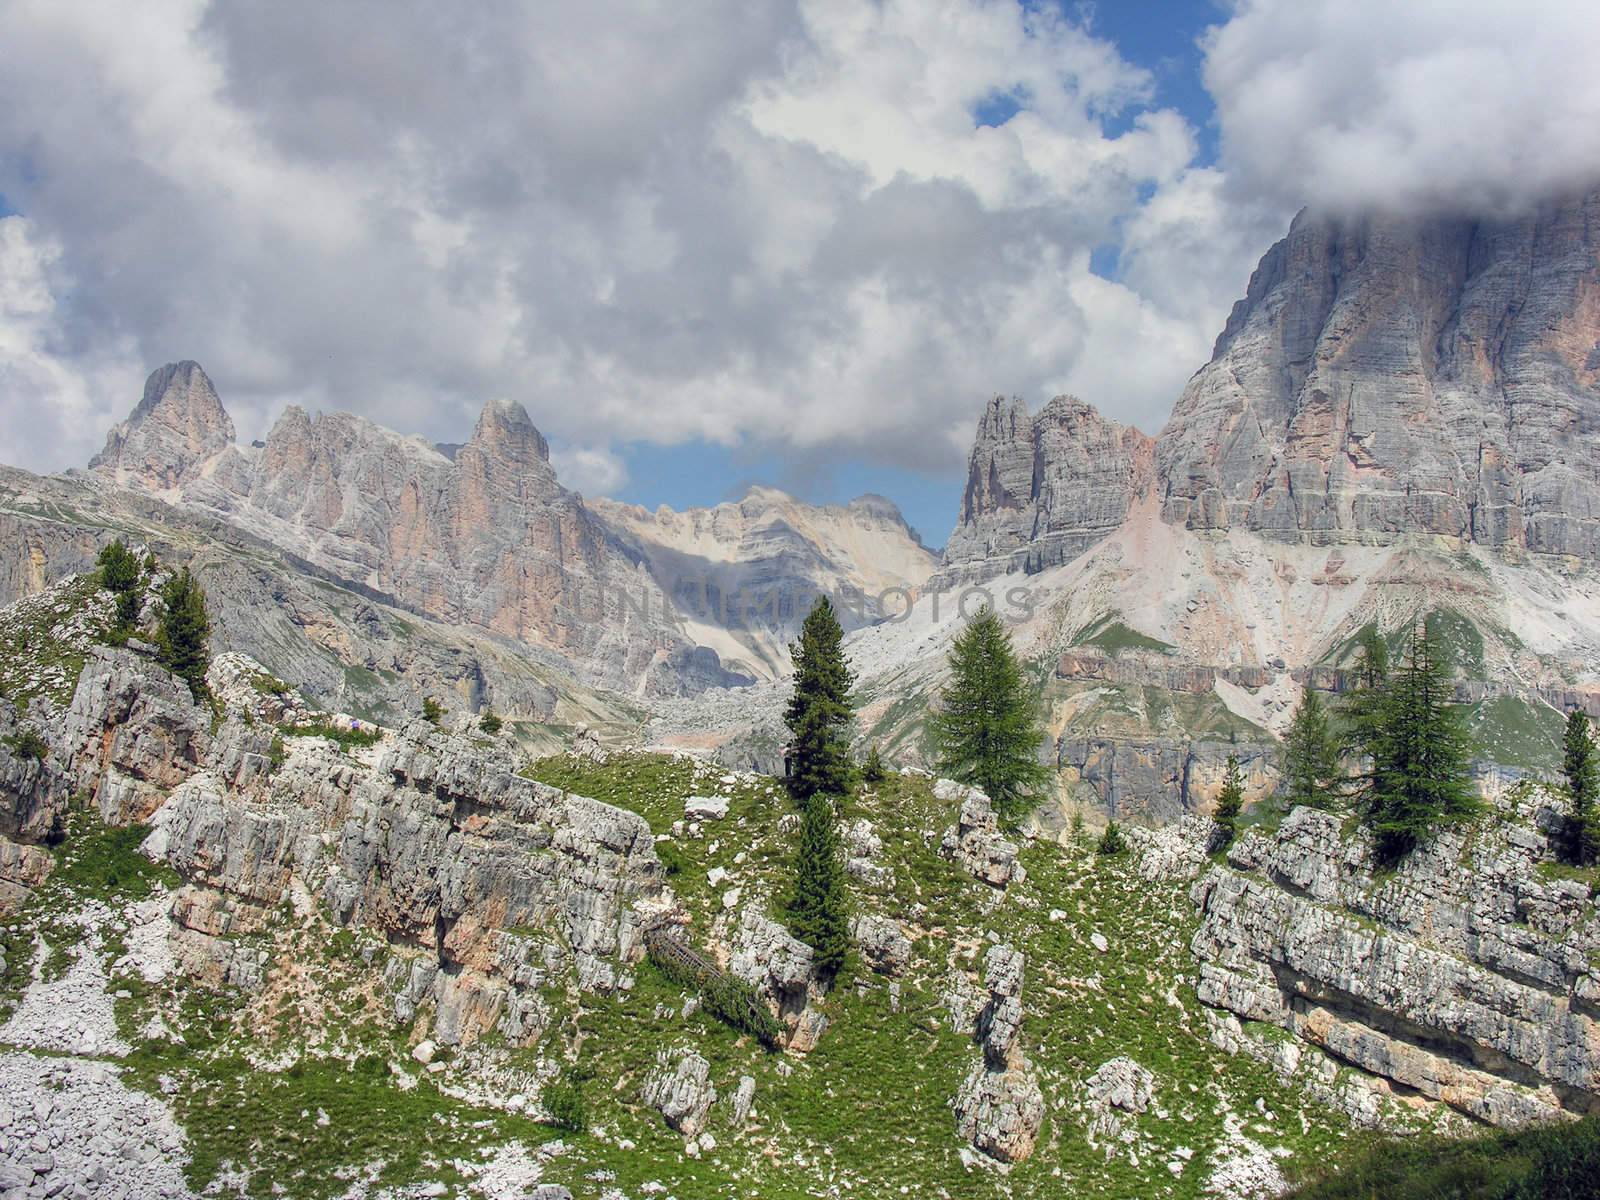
{"points": [[726, 997], [432, 710], [1112, 842], [563, 1100], [348, 739], [28, 744], [490, 723]]}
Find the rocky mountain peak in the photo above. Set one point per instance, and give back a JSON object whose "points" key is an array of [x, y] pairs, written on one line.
{"points": [[505, 431], [177, 426], [1042, 489]]}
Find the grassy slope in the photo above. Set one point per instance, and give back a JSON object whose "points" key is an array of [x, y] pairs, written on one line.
{"points": [[868, 1111], [1560, 1162]]}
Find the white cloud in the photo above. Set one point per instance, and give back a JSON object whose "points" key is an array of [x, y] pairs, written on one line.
{"points": [[765, 222], [734, 221], [53, 394], [592, 470], [1480, 105]]}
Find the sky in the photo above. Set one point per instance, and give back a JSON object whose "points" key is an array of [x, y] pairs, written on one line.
{"points": [[719, 242]]}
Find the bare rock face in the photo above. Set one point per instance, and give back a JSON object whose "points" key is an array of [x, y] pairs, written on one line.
{"points": [[483, 881], [1042, 490], [483, 534], [178, 426], [133, 733], [1387, 375], [681, 1092], [974, 840], [1464, 976], [751, 569], [1000, 1108]]}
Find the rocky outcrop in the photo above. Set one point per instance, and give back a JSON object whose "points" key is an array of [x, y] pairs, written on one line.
{"points": [[132, 734], [483, 883], [883, 943], [1465, 976], [974, 840], [1042, 490], [1388, 375], [1120, 1089], [177, 429], [681, 1092], [1000, 1108]]}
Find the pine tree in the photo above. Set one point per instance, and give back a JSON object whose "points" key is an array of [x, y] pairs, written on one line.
{"points": [[490, 723], [873, 770], [1230, 801], [1111, 841], [1419, 751], [819, 712], [121, 575], [1362, 714], [1583, 785], [818, 905], [185, 627], [1310, 758], [986, 728], [432, 711]]}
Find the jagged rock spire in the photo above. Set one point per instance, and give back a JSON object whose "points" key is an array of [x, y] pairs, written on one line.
{"points": [[177, 426]]}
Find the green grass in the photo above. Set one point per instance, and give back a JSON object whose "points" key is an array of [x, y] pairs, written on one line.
{"points": [[347, 739], [1111, 635], [1550, 1162], [1517, 733]]}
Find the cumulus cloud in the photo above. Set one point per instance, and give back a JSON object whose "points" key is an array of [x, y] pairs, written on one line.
{"points": [[773, 222], [1476, 105], [781, 225], [53, 392]]}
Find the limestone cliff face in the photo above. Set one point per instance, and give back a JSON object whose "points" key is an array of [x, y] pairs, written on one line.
{"points": [[1042, 490], [1465, 976], [1385, 376], [483, 534], [178, 427]]}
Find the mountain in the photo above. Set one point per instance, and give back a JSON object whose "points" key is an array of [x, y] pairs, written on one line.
{"points": [[1042, 490], [1385, 376], [1400, 420], [482, 534], [745, 573]]}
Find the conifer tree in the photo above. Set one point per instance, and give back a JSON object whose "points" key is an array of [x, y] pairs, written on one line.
{"points": [[1362, 714], [986, 728], [873, 770], [1583, 785], [819, 712], [1419, 749], [185, 627], [1230, 801], [1111, 841], [120, 574], [1310, 758], [818, 904]]}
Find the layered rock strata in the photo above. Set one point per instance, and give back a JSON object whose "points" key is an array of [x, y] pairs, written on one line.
{"points": [[1467, 976]]}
